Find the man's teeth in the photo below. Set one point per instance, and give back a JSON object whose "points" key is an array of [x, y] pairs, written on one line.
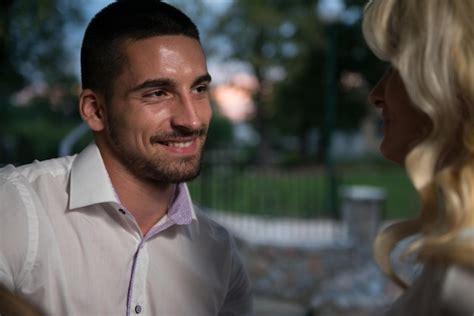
{"points": [[180, 144]]}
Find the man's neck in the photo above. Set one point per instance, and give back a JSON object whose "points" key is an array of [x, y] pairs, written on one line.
{"points": [[146, 200]]}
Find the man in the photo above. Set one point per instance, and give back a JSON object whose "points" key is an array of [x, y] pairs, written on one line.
{"points": [[112, 231]]}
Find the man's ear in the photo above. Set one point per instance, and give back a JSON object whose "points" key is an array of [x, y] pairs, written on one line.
{"points": [[91, 108]]}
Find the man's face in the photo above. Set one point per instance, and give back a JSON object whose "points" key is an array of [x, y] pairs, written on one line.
{"points": [[404, 125], [159, 112]]}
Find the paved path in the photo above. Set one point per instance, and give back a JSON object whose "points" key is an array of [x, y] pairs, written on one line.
{"points": [[281, 231], [296, 259], [268, 307]]}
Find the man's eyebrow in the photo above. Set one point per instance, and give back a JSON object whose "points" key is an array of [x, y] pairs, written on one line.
{"points": [[201, 79], [167, 83], [154, 83]]}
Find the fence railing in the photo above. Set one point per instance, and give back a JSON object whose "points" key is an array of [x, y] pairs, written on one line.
{"points": [[227, 184], [269, 191]]}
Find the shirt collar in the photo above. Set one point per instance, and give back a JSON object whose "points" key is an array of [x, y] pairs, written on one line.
{"points": [[90, 184], [181, 210]]}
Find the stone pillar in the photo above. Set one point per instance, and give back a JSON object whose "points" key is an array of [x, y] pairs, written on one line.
{"points": [[362, 213]]}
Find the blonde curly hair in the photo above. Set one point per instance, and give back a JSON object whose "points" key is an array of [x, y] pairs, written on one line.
{"points": [[431, 44]]}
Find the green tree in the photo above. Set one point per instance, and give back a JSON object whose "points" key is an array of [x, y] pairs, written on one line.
{"points": [[10, 78], [289, 36], [300, 98], [34, 53], [260, 34]]}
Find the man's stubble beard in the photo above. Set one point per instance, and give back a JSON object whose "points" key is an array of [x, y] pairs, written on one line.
{"points": [[155, 169]]}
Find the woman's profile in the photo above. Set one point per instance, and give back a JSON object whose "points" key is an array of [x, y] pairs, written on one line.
{"points": [[427, 104]]}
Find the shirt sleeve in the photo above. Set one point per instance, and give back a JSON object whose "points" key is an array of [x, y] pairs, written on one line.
{"points": [[423, 296], [239, 300], [458, 291], [14, 231]]}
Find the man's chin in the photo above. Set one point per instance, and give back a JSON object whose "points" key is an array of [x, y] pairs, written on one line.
{"points": [[188, 177], [163, 170], [174, 177], [172, 173]]}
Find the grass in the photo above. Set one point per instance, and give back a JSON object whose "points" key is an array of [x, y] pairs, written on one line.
{"points": [[297, 193], [270, 193]]}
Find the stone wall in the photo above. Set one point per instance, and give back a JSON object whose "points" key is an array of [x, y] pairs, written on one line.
{"points": [[326, 281], [324, 265]]}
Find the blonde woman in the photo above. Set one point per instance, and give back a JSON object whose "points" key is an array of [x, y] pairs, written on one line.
{"points": [[427, 103]]}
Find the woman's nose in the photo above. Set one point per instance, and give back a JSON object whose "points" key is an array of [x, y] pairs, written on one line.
{"points": [[377, 95]]}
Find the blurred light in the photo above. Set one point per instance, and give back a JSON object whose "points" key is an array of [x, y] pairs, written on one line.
{"points": [[351, 15], [275, 73], [234, 101], [352, 80], [330, 10], [287, 29], [269, 50], [289, 49]]}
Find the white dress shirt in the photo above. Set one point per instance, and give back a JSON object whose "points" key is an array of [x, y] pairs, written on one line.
{"points": [[68, 246]]}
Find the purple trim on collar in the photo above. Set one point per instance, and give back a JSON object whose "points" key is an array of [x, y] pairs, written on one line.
{"points": [[179, 212]]}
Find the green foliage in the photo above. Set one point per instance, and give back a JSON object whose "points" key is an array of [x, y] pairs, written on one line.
{"points": [[260, 33], [34, 57], [35, 33], [253, 29], [290, 36], [34, 132], [300, 98], [220, 132]]}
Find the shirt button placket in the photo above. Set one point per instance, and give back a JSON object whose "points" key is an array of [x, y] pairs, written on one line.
{"points": [[138, 309]]}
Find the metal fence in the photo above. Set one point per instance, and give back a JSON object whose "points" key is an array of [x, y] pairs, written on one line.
{"points": [[229, 186]]}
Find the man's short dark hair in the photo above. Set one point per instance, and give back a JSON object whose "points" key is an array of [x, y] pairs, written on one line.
{"points": [[102, 55]]}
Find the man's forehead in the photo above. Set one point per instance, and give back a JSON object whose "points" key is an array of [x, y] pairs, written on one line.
{"points": [[176, 59], [162, 40], [160, 49]]}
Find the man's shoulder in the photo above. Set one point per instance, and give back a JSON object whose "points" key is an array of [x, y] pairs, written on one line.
{"points": [[23, 182], [30, 172], [210, 227], [206, 221]]}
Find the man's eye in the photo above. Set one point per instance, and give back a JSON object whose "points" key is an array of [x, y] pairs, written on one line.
{"points": [[201, 89], [157, 93]]}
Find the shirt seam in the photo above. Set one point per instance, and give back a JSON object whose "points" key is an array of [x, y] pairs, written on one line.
{"points": [[37, 169], [32, 223]]}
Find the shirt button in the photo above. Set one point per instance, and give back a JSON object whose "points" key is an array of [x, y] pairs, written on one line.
{"points": [[138, 309]]}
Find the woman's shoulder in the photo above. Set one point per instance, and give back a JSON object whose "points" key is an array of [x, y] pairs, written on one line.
{"points": [[440, 290], [423, 296], [457, 292]]}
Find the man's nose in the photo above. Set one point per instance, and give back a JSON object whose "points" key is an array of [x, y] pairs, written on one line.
{"points": [[187, 114]]}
